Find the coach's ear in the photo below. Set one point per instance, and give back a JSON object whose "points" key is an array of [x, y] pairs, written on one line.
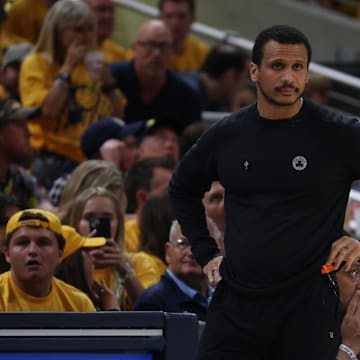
{"points": [[254, 71]]}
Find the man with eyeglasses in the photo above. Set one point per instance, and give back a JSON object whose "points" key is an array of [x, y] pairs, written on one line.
{"points": [[183, 287], [152, 91]]}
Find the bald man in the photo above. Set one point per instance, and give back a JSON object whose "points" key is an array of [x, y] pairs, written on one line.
{"points": [[151, 89]]}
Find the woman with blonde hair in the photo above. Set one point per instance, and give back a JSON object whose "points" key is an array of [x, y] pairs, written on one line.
{"points": [[111, 262], [91, 173], [71, 91]]}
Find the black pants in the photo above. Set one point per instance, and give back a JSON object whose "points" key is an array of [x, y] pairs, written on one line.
{"points": [[301, 324]]}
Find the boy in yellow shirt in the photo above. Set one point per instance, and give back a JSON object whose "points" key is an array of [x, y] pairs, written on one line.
{"points": [[34, 247]]}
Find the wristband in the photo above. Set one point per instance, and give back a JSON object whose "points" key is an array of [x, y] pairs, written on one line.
{"points": [[128, 274], [348, 351]]}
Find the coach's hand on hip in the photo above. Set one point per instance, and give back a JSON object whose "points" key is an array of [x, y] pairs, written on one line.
{"points": [[211, 269]]}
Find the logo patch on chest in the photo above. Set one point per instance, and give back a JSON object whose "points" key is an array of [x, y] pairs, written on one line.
{"points": [[299, 163]]}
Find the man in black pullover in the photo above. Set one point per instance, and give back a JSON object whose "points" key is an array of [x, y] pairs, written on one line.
{"points": [[287, 166]]}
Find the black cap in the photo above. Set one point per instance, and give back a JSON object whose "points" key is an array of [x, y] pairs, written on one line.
{"points": [[153, 125], [96, 134]]}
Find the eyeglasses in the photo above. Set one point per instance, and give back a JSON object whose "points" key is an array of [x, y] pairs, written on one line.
{"points": [[355, 274], [182, 244], [153, 45]]}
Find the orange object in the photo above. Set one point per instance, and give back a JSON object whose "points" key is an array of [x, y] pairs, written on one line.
{"points": [[326, 269]]}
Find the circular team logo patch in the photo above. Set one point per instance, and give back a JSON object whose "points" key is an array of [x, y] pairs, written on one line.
{"points": [[299, 163]]}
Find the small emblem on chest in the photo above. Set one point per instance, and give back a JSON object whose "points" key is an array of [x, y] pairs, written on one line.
{"points": [[246, 165], [299, 163]]}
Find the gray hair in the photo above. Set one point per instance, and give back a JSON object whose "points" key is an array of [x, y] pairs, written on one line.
{"points": [[62, 14], [216, 233]]}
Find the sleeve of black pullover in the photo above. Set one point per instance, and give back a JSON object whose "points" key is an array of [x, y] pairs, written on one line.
{"points": [[191, 179]]}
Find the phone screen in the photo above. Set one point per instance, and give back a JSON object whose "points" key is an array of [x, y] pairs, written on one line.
{"points": [[102, 226]]}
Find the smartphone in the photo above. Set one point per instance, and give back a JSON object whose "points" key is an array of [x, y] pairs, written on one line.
{"points": [[102, 226]]}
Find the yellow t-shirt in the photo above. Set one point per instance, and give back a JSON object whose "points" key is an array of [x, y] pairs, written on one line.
{"points": [[112, 51], [84, 105], [132, 235], [25, 18], [191, 59], [147, 267], [193, 56], [62, 297]]}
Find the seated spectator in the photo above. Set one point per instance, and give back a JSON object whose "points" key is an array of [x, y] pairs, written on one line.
{"points": [[111, 262], [90, 173], [26, 17], [152, 91], [189, 52], [161, 139], [147, 178], [156, 219], [16, 155], [34, 247], [105, 15], [122, 144], [77, 268], [225, 71], [184, 287], [55, 77], [114, 141], [10, 69]]}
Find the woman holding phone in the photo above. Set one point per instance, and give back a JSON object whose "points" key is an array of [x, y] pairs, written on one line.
{"points": [[97, 211]]}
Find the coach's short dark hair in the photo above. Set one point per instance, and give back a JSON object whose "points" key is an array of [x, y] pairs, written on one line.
{"points": [[283, 34]]}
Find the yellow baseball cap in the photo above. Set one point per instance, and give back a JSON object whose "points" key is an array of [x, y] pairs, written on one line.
{"points": [[25, 218], [74, 241], [48, 220]]}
